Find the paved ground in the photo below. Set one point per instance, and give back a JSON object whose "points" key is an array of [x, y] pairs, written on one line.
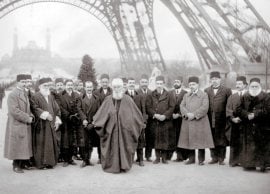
{"points": [[160, 178]]}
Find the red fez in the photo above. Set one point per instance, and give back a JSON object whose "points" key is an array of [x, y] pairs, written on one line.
{"points": [[242, 78], [44, 80], [144, 76], [23, 77], [104, 76], [255, 79], [160, 78], [193, 79], [57, 80], [215, 74]]}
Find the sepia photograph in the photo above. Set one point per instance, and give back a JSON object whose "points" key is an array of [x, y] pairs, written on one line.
{"points": [[134, 96]]}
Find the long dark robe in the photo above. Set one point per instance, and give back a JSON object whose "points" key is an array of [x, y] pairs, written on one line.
{"points": [[254, 132], [119, 132], [45, 148]]}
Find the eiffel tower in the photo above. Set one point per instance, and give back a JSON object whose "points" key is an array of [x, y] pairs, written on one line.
{"points": [[224, 33]]}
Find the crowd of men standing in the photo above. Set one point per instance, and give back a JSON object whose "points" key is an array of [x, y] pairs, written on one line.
{"points": [[61, 123]]}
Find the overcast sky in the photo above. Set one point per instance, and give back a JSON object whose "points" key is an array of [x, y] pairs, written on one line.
{"points": [[75, 32]]}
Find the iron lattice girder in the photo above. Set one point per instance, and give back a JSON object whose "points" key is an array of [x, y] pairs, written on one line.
{"points": [[241, 25], [134, 36], [208, 46]]}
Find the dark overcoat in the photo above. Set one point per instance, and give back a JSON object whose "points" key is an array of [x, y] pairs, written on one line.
{"points": [[45, 148], [87, 108], [161, 104], [217, 113], [255, 132]]}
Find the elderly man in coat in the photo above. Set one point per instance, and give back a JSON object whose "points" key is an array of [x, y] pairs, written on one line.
{"points": [[159, 107], [119, 123], [218, 96], [254, 112], [195, 131], [47, 114], [18, 139]]}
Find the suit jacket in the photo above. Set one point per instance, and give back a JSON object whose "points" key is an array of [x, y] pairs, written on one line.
{"points": [[100, 94], [217, 113]]}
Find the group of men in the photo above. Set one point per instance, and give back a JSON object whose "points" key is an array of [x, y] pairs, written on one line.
{"points": [[58, 123]]}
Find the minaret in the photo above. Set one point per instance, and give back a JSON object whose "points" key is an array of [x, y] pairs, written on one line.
{"points": [[15, 41], [48, 41]]}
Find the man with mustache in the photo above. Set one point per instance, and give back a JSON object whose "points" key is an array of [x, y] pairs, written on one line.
{"points": [[254, 112], [70, 119], [143, 91], [119, 123], [218, 96], [88, 105], [47, 113], [234, 121], [195, 130], [18, 139], [178, 92], [160, 105]]}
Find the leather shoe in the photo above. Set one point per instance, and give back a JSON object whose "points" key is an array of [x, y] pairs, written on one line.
{"points": [[178, 160], [65, 164], [221, 162], [201, 163], [18, 170], [148, 160], [213, 161], [156, 161], [72, 162], [165, 161], [190, 162], [141, 163], [84, 164]]}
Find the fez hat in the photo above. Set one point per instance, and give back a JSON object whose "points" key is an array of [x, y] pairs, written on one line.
{"points": [[160, 78], [255, 79], [104, 76], [242, 78], [44, 80], [57, 80], [144, 76], [193, 79], [215, 74], [23, 77], [68, 80], [124, 79], [179, 78]]}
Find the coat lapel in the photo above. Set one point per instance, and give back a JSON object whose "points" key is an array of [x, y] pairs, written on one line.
{"points": [[163, 95]]}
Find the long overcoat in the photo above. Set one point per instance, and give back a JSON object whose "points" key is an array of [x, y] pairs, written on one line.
{"points": [[18, 139], [195, 134], [161, 104], [217, 113]]}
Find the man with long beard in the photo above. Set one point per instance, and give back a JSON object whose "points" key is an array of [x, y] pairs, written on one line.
{"points": [[119, 123], [47, 113], [254, 113]]}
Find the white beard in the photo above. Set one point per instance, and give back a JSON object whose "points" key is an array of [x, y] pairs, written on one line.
{"points": [[117, 95], [45, 92], [254, 92]]}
